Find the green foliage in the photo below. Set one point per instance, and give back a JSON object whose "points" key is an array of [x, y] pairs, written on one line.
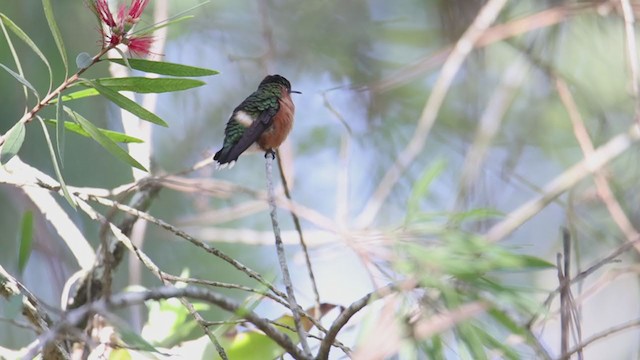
{"points": [[164, 68], [169, 322], [103, 140], [55, 31], [77, 129], [22, 80], [26, 239], [127, 104], [458, 267], [54, 160], [12, 142], [27, 40], [148, 85]]}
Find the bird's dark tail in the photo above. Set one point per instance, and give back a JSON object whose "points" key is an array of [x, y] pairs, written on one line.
{"points": [[223, 159]]}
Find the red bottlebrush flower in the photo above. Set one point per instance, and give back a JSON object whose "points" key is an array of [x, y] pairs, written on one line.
{"points": [[140, 45], [102, 8], [137, 7], [119, 26]]}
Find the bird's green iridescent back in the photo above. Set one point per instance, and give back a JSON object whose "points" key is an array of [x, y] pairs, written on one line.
{"points": [[264, 99]]}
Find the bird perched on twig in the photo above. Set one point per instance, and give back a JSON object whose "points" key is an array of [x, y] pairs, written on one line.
{"points": [[263, 121]]}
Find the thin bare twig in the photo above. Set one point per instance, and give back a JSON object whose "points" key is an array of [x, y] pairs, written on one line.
{"points": [[631, 49], [586, 145], [282, 257], [565, 302], [303, 243], [178, 232], [348, 312], [121, 300], [584, 274], [608, 332]]}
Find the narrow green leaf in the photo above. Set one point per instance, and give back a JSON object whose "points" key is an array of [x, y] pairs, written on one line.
{"points": [[103, 140], [165, 68], [26, 240], [55, 31], [113, 135], [22, 80], [155, 27], [60, 129], [172, 20], [128, 104], [12, 142], [421, 188], [505, 351], [14, 54], [54, 160], [132, 339], [77, 95], [27, 40], [529, 261], [148, 85]]}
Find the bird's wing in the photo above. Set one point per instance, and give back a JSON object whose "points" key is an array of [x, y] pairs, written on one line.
{"points": [[251, 134]]}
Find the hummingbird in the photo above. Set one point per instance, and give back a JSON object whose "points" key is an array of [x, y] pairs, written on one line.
{"points": [[262, 121]]}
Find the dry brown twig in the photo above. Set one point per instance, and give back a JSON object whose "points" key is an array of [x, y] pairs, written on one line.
{"points": [[586, 145]]}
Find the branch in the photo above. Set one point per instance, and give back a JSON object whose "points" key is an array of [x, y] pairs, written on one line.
{"points": [[282, 257], [348, 312], [303, 244], [74, 317], [89, 286], [590, 164], [610, 331], [31, 309]]}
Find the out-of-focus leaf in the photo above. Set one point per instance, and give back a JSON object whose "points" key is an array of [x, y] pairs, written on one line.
{"points": [[27, 40], [506, 352], [534, 262], [12, 142], [134, 340], [474, 215], [252, 344], [120, 354], [56, 168], [22, 80], [170, 322], [149, 85], [103, 140], [113, 135], [55, 31], [83, 60], [165, 68], [26, 239], [434, 347], [128, 104], [421, 188]]}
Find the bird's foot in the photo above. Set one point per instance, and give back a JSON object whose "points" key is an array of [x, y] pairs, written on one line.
{"points": [[271, 153]]}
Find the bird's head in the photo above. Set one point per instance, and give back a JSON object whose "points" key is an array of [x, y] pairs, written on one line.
{"points": [[280, 80]]}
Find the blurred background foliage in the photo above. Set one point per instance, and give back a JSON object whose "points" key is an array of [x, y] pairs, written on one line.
{"points": [[366, 69]]}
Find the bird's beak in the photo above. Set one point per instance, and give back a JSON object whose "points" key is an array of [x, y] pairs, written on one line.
{"points": [[295, 91]]}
